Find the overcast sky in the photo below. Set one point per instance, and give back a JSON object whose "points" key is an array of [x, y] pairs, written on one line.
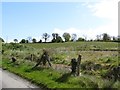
{"points": [[85, 18]]}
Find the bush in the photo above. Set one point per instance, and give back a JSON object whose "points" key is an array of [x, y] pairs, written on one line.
{"points": [[13, 46]]}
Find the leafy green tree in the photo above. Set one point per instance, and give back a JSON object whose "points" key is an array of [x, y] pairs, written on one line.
{"points": [[45, 36], [15, 40], [54, 35], [59, 39], [66, 36], [106, 37], [81, 39], [56, 38], [53, 40], [34, 40], [23, 41], [40, 41]]}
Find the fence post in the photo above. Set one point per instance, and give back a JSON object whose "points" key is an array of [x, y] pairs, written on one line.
{"points": [[73, 66], [78, 64]]}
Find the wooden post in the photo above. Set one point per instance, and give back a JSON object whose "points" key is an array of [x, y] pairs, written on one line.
{"points": [[31, 57], [73, 66], [78, 64], [13, 60]]}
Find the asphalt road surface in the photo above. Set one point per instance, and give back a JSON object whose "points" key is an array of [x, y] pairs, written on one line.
{"points": [[10, 80]]}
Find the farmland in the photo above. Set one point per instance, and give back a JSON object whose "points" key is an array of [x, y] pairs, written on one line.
{"points": [[98, 60]]}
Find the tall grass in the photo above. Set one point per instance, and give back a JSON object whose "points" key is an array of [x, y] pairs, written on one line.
{"points": [[94, 64]]}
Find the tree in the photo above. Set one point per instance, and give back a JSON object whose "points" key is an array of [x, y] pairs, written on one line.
{"points": [[74, 36], [23, 41], [54, 35], [66, 36], [81, 39], [40, 41], [53, 40], [45, 36], [56, 38], [106, 37], [57, 35], [34, 40], [15, 40], [59, 39], [1, 39]]}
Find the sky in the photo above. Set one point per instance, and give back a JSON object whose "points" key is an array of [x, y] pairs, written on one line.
{"points": [[32, 19]]}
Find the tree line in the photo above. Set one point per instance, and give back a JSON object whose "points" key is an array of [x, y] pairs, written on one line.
{"points": [[56, 38]]}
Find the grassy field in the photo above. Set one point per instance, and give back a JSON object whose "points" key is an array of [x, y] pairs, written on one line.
{"points": [[77, 45], [98, 60]]}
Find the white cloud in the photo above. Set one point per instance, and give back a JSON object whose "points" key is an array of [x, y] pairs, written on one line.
{"points": [[105, 9]]}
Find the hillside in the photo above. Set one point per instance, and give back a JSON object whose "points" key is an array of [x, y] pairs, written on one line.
{"points": [[97, 65]]}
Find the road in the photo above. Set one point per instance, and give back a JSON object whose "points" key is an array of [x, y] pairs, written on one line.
{"points": [[10, 80]]}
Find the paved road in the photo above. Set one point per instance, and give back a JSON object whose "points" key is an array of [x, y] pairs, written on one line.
{"points": [[10, 80]]}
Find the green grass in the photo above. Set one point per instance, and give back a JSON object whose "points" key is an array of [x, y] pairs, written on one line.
{"points": [[76, 46], [47, 76], [62, 53]]}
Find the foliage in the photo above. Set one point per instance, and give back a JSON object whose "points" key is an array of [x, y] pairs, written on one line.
{"points": [[106, 37], [66, 37], [13, 46], [81, 39], [22, 41], [56, 38], [40, 41], [45, 36], [34, 40], [15, 40]]}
